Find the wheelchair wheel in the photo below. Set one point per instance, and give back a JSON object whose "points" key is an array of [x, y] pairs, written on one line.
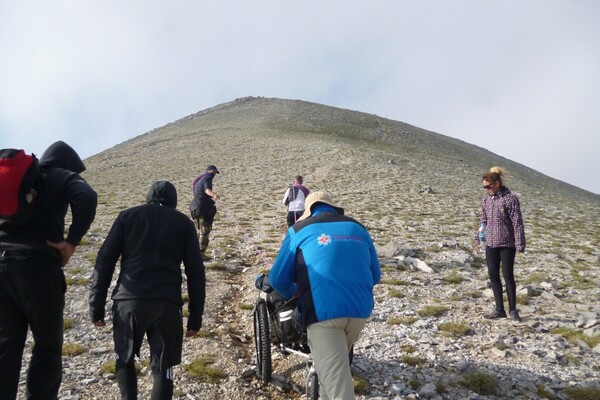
{"points": [[262, 341], [312, 385]]}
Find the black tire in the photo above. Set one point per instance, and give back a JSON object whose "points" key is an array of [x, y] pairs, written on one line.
{"points": [[262, 341], [312, 386]]}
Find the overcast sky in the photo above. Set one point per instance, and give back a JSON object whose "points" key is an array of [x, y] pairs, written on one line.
{"points": [[519, 78]]}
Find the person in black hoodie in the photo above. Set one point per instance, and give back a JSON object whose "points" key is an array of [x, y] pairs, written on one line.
{"points": [[32, 282], [152, 240]]}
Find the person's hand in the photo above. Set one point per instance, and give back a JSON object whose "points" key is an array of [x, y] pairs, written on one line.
{"points": [[216, 197], [65, 249], [190, 333]]}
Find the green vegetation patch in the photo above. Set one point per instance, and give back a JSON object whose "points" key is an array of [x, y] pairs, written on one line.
{"points": [[453, 278], [580, 282], [536, 277], [395, 293], [68, 323], [480, 382], [545, 394], [415, 383], [215, 266], [573, 335], [523, 299], [90, 256], [73, 349], [361, 385], [408, 348], [201, 369], [583, 393], [455, 328], [413, 361], [394, 282], [110, 367], [432, 311], [70, 281]]}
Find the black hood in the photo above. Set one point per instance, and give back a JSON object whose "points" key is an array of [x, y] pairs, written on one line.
{"points": [[163, 193], [61, 155]]}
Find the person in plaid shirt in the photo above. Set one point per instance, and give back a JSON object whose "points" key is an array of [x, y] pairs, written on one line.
{"points": [[505, 235]]}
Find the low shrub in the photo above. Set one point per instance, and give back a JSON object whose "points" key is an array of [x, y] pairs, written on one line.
{"points": [[361, 385], [201, 370], [480, 383], [432, 311], [413, 361], [455, 328], [573, 335], [73, 349], [453, 278], [68, 323], [583, 393]]}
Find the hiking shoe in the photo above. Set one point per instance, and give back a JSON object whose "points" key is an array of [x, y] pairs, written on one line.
{"points": [[496, 314], [514, 315]]}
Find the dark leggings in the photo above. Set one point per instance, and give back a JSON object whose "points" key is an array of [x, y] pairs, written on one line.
{"points": [[292, 217], [505, 256]]}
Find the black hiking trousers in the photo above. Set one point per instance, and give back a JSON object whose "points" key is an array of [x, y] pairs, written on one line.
{"points": [[32, 294], [292, 217], [162, 324], [497, 259]]}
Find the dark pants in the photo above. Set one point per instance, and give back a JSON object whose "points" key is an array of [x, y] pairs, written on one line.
{"points": [[162, 323], [292, 217], [32, 294], [204, 217], [505, 257], [162, 385]]}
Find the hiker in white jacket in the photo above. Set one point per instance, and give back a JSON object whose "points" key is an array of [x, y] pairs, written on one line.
{"points": [[294, 199]]}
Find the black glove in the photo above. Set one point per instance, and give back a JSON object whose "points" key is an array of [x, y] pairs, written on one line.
{"points": [[97, 314]]}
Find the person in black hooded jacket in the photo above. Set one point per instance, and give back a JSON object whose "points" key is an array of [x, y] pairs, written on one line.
{"points": [[152, 241], [32, 282]]}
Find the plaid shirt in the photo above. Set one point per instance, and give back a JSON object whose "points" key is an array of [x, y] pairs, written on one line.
{"points": [[501, 214]]}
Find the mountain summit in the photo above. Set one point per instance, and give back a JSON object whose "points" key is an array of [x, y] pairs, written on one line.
{"points": [[419, 194]]}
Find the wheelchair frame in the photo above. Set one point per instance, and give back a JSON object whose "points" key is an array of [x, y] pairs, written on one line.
{"points": [[265, 337]]}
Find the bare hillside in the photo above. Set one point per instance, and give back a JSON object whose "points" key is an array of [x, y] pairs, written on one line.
{"points": [[418, 193]]}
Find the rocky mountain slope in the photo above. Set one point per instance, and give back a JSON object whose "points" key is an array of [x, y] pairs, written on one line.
{"points": [[418, 193]]}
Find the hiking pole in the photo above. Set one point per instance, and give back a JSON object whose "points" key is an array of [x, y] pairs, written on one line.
{"points": [[248, 237]]}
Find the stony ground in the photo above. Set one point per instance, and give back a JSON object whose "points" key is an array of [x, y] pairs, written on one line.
{"points": [[419, 198]]}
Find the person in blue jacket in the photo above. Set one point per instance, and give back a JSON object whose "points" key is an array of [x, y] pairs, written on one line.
{"points": [[329, 261]]}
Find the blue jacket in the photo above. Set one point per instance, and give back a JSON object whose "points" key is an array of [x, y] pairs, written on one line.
{"points": [[331, 262]]}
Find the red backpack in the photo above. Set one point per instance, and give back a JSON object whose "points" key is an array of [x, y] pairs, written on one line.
{"points": [[19, 173]]}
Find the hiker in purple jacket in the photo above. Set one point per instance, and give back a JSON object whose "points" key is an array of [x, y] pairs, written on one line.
{"points": [[294, 198], [504, 236]]}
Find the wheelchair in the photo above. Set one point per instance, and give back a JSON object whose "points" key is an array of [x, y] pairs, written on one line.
{"points": [[277, 324]]}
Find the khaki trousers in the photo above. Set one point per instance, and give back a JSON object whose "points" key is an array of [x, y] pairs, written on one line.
{"points": [[330, 342]]}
